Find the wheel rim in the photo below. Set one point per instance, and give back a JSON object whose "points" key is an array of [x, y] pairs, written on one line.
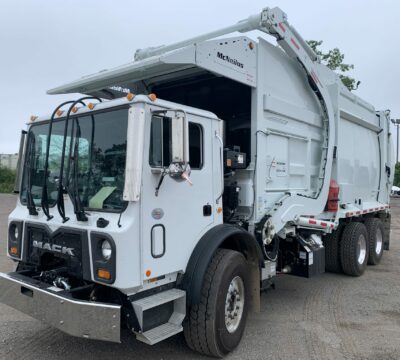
{"points": [[361, 249], [379, 242], [234, 304]]}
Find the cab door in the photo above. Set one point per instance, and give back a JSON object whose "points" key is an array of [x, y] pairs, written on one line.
{"points": [[174, 217]]}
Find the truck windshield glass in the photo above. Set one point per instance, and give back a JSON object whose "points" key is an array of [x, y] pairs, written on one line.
{"points": [[100, 166]]}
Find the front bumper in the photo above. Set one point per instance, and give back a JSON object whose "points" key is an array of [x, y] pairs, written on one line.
{"points": [[91, 320]]}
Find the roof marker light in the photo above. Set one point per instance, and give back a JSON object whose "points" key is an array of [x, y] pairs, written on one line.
{"points": [[74, 109], [152, 97], [33, 118], [91, 106], [130, 96], [59, 113]]}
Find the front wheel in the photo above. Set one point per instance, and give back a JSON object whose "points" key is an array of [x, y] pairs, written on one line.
{"points": [[215, 326]]}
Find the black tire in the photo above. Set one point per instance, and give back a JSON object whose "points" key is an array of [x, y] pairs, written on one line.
{"points": [[332, 250], [204, 328], [376, 237], [349, 255]]}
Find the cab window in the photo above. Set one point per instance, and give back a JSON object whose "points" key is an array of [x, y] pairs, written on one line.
{"points": [[160, 143]]}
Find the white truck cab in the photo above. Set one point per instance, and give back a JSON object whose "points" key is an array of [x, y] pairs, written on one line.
{"points": [[169, 195]]}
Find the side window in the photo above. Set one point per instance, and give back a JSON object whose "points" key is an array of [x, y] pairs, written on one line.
{"points": [[160, 143], [195, 146]]}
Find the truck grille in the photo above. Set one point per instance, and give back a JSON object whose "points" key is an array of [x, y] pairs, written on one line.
{"points": [[63, 247]]}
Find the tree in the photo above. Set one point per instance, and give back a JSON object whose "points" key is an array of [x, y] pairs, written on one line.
{"points": [[7, 179], [396, 181], [333, 59]]}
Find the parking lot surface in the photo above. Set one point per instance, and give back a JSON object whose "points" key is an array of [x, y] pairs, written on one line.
{"points": [[331, 316]]}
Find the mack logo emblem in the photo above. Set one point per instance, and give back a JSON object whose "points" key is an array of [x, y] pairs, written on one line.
{"points": [[53, 247], [221, 56]]}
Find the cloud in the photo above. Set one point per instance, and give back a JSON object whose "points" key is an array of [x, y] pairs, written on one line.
{"points": [[50, 43]]}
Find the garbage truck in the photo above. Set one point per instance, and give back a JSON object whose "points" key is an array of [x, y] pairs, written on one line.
{"points": [[172, 193]]}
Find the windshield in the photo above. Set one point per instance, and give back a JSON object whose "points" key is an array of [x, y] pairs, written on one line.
{"points": [[98, 169]]}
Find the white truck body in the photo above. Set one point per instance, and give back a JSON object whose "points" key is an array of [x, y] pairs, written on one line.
{"points": [[298, 127]]}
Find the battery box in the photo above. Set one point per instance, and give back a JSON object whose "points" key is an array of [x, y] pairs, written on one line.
{"points": [[234, 159]]}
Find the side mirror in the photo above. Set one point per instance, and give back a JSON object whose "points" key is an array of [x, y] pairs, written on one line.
{"points": [[179, 168], [179, 139]]}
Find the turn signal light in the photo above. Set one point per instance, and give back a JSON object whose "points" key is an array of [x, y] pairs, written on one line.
{"points": [[103, 274], [130, 96], [152, 97], [13, 250]]}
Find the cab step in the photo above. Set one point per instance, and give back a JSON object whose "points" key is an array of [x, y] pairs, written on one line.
{"points": [[159, 333], [169, 305]]}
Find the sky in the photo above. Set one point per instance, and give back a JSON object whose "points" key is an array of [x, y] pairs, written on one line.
{"points": [[46, 43]]}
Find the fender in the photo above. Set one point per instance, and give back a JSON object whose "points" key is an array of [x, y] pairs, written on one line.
{"points": [[221, 236]]}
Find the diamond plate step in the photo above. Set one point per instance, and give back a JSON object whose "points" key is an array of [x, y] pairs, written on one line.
{"points": [[159, 333], [158, 299], [144, 307]]}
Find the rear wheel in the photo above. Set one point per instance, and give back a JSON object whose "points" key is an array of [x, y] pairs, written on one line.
{"points": [[215, 326], [354, 249], [332, 251], [375, 232]]}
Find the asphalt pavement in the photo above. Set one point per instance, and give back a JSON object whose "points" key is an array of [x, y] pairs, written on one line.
{"points": [[331, 316]]}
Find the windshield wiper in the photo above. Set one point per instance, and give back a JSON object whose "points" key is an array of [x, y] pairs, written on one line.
{"points": [[29, 166], [45, 199], [60, 195], [60, 190], [78, 210], [90, 172]]}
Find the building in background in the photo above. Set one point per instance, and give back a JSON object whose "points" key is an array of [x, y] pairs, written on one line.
{"points": [[9, 161]]}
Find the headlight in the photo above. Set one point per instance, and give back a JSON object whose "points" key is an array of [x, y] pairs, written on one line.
{"points": [[104, 257], [14, 239], [16, 232], [106, 250]]}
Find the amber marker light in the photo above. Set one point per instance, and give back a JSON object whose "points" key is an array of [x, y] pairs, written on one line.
{"points": [[33, 118], [74, 109], [152, 97], [103, 274], [14, 250], [130, 96], [91, 106], [148, 273], [59, 113]]}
